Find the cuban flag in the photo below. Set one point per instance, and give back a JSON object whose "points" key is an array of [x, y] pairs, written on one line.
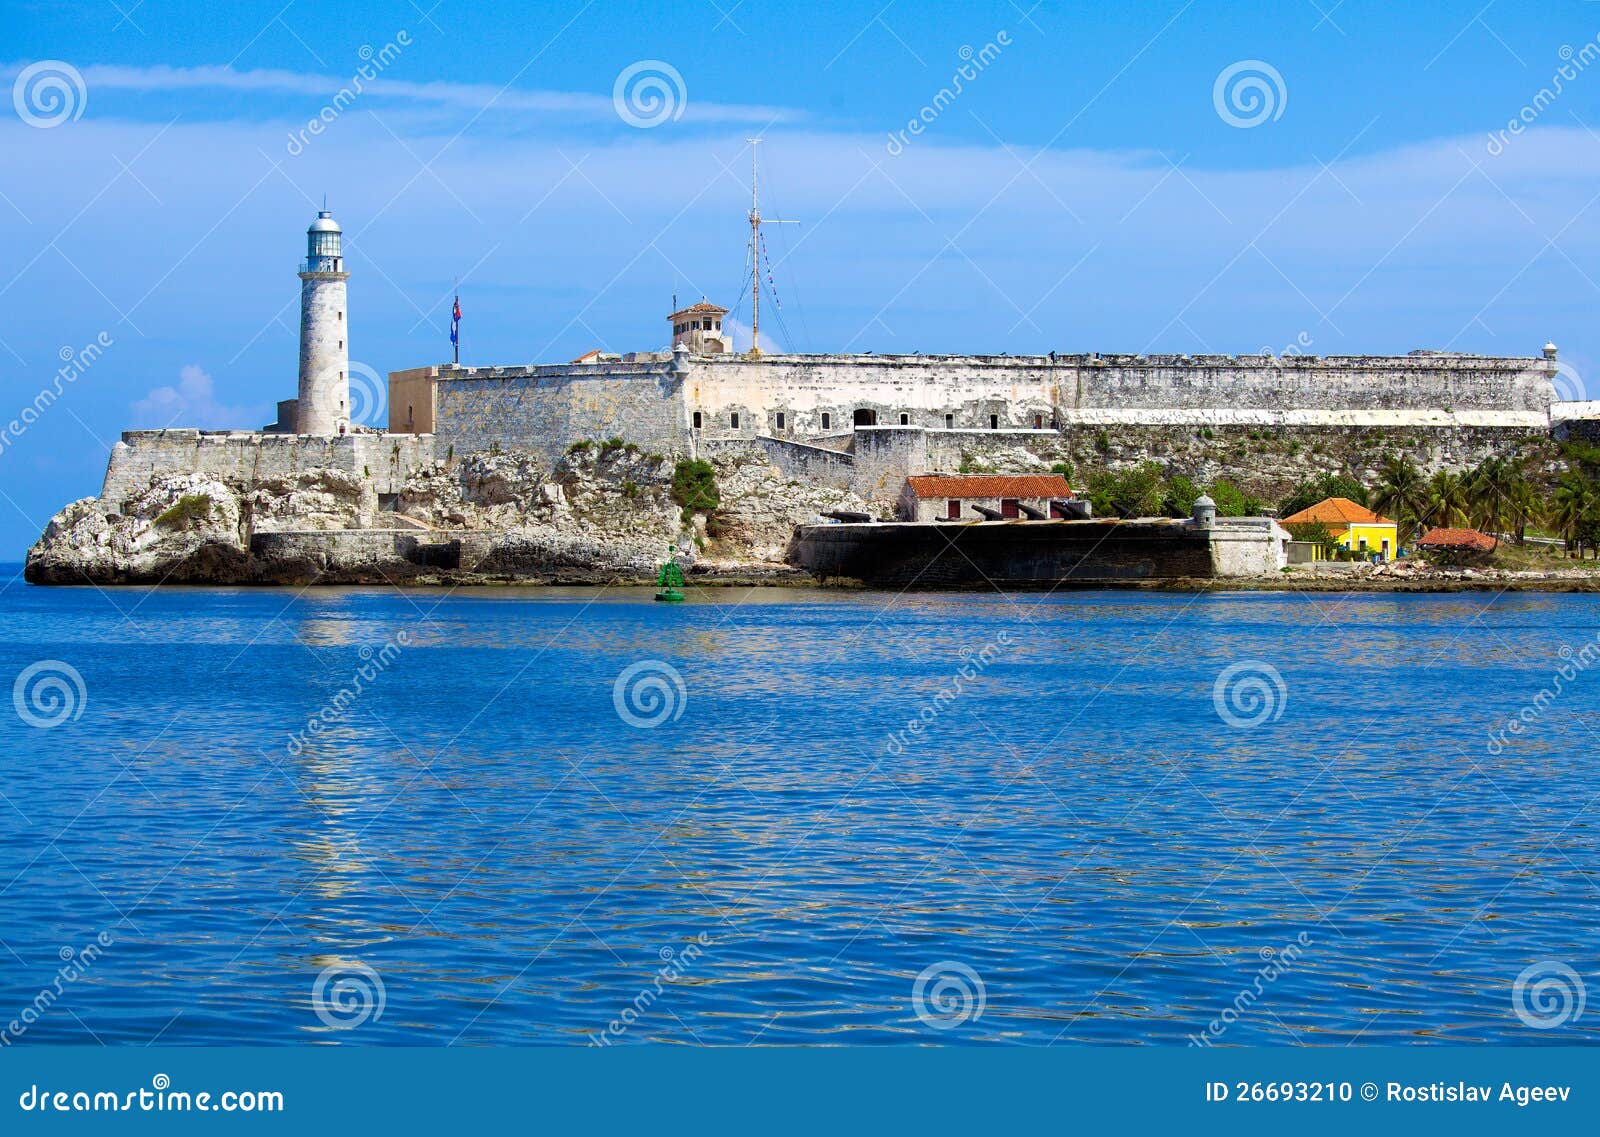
{"points": [[455, 322]]}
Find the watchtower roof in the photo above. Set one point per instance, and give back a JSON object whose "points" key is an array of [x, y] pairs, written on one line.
{"points": [[701, 309]]}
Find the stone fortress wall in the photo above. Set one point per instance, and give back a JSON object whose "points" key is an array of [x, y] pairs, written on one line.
{"points": [[863, 422], [652, 399], [247, 458]]}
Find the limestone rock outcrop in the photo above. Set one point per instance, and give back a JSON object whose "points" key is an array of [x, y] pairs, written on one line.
{"points": [[604, 512]]}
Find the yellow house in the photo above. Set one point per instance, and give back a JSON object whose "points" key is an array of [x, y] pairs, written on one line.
{"points": [[1353, 526]]}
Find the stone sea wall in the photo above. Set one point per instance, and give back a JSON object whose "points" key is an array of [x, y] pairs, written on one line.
{"points": [[246, 458]]}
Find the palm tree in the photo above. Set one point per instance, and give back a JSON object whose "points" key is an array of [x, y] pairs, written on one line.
{"points": [[1488, 489], [1401, 493], [1527, 507], [1447, 500], [1576, 509]]}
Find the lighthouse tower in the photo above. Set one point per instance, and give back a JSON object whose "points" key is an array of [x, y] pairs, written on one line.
{"points": [[324, 404]]}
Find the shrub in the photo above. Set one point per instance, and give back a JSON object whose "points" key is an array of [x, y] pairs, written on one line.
{"points": [[694, 486], [1234, 502], [1128, 493], [1062, 468], [1102, 441], [630, 488], [186, 510], [1182, 493], [582, 446], [1317, 533]]}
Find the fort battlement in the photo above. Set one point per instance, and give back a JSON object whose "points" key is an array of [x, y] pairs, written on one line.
{"points": [[680, 402]]}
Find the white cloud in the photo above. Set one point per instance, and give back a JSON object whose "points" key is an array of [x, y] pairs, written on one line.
{"points": [[193, 403], [471, 96]]}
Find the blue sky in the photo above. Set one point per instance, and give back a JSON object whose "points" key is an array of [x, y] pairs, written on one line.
{"points": [[1090, 187]]}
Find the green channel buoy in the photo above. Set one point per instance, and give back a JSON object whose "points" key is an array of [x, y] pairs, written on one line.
{"points": [[670, 581]]}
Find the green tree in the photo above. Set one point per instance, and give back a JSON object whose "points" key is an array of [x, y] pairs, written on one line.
{"points": [[1312, 490], [1575, 511], [1527, 508], [1401, 493], [1134, 492], [1234, 502], [1181, 495], [1317, 532], [1447, 500]]}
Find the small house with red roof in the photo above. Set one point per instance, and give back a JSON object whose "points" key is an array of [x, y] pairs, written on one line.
{"points": [[1457, 544], [981, 497], [1352, 526]]}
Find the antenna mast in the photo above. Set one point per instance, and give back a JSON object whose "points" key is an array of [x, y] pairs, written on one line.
{"points": [[756, 221]]}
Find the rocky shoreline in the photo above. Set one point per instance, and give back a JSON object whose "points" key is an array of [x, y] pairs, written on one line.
{"points": [[604, 515]]}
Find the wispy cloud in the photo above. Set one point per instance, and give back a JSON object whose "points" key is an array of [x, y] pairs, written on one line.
{"points": [[469, 96]]}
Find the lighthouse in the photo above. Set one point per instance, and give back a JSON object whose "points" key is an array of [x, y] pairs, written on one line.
{"points": [[324, 404]]}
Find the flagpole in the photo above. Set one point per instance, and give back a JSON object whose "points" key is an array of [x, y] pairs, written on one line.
{"points": [[455, 326]]}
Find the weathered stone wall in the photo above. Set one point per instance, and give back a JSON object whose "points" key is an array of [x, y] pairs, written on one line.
{"points": [[1266, 461], [1248, 546], [543, 410], [816, 465], [1005, 392], [1578, 420], [246, 458]]}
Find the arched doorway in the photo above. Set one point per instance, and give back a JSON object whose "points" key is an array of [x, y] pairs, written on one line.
{"points": [[866, 418]]}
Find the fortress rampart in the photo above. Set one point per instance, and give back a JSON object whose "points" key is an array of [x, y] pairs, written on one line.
{"points": [[247, 458], [680, 405]]}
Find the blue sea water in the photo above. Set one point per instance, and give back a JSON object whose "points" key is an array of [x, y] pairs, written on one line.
{"points": [[781, 816]]}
